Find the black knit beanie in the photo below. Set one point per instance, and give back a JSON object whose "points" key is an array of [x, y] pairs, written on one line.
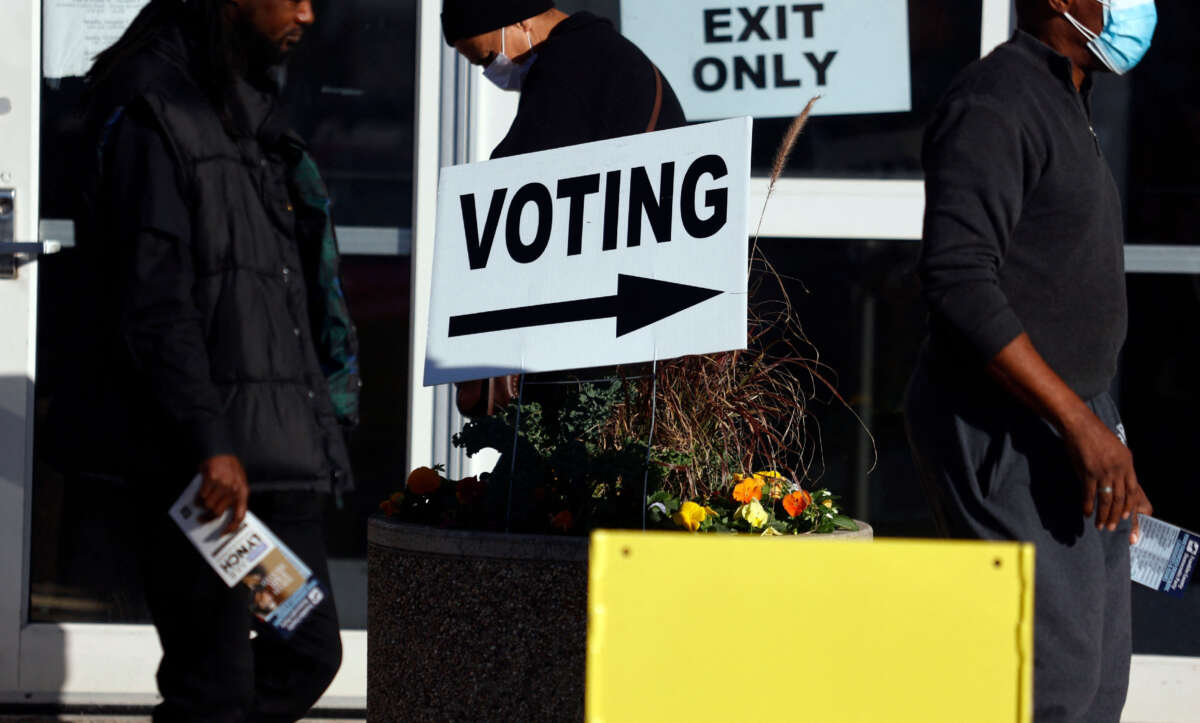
{"points": [[468, 18]]}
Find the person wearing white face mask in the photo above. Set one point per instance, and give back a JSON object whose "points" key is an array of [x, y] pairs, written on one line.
{"points": [[1126, 34], [1010, 421], [579, 79]]}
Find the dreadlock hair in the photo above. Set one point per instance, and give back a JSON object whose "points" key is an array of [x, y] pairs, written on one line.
{"points": [[210, 37]]}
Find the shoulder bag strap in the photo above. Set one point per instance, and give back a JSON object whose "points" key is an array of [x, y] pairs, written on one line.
{"points": [[658, 92]]}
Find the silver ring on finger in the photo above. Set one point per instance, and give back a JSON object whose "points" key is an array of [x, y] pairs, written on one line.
{"points": [[1106, 490]]}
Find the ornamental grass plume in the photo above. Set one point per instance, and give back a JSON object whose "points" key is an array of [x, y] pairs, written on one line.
{"points": [[783, 154], [789, 141]]}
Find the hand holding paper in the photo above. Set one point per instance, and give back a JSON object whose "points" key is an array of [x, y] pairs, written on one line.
{"points": [[283, 589], [1164, 557], [223, 487]]}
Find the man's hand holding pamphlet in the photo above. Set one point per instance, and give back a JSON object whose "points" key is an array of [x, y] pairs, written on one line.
{"points": [[1164, 557], [283, 589]]}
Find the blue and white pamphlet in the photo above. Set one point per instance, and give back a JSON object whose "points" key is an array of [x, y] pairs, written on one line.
{"points": [[1164, 557], [283, 590]]}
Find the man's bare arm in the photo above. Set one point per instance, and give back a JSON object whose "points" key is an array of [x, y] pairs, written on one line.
{"points": [[1102, 461]]}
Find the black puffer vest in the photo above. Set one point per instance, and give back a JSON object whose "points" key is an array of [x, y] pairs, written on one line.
{"points": [[250, 289]]}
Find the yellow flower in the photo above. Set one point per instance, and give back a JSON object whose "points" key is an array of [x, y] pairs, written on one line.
{"points": [[753, 513], [772, 532], [774, 481], [690, 515], [828, 503]]}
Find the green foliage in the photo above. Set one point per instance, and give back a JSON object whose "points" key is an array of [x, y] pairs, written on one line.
{"points": [[565, 465], [587, 412]]}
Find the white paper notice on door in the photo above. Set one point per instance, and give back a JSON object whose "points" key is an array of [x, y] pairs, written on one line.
{"points": [[767, 59], [75, 31]]}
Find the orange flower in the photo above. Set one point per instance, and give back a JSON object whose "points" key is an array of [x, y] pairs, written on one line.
{"points": [[797, 502], [469, 490], [423, 481], [747, 488], [563, 521]]}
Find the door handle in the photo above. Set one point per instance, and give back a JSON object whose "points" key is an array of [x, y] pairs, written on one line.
{"points": [[14, 253]]}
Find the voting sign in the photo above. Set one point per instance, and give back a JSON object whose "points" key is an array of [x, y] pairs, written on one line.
{"points": [[620, 251], [767, 60]]}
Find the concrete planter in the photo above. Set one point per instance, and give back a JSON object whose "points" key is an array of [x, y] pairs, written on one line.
{"points": [[470, 626]]}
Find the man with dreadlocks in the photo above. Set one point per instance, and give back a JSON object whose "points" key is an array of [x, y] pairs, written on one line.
{"points": [[235, 350]]}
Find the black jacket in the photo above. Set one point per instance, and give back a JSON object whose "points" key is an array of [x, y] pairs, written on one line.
{"points": [[1023, 227], [588, 84], [216, 329]]}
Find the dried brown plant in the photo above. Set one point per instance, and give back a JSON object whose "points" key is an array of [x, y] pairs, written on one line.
{"points": [[745, 410], [738, 411]]}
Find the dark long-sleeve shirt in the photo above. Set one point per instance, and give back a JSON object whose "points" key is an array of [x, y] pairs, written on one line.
{"points": [[588, 84], [1023, 225]]}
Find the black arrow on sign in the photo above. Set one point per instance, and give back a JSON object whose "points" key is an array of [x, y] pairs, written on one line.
{"points": [[638, 303]]}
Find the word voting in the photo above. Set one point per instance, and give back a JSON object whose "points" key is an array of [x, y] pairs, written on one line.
{"points": [[644, 203]]}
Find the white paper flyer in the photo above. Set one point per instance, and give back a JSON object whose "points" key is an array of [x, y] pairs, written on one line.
{"points": [[75, 31], [1164, 556], [283, 589]]}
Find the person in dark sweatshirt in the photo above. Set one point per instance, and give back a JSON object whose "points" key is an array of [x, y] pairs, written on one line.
{"points": [[579, 79], [1022, 266]]}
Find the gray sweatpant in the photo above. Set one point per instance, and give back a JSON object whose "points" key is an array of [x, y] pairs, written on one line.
{"points": [[993, 470]]}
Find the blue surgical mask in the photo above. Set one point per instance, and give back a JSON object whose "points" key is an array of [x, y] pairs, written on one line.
{"points": [[502, 71], [1128, 29]]}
